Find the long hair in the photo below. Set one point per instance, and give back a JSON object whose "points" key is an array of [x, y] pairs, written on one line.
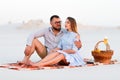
{"points": [[73, 24]]}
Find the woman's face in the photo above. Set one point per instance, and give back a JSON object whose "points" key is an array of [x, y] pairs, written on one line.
{"points": [[67, 24]]}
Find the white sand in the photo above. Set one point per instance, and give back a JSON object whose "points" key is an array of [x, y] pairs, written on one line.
{"points": [[12, 42]]}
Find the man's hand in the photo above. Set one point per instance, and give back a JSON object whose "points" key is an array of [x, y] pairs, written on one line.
{"points": [[78, 44], [27, 50]]}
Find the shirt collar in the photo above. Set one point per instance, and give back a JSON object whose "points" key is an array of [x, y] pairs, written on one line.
{"points": [[61, 31]]}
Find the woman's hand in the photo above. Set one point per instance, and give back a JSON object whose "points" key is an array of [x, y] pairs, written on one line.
{"points": [[78, 44]]}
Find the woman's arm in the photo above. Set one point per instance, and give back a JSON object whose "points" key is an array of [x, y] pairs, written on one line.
{"points": [[70, 51], [76, 46]]}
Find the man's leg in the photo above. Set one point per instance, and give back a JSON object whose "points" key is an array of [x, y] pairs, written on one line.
{"points": [[40, 48], [36, 46]]}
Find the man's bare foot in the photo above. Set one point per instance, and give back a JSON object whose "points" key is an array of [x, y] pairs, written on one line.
{"points": [[24, 62]]}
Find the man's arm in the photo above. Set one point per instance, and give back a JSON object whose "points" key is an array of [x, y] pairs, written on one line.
{"points": [[30, 40], [34, 35]]}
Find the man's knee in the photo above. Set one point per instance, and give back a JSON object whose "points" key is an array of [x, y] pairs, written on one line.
{"points": [[27, 51], [35, 40]]}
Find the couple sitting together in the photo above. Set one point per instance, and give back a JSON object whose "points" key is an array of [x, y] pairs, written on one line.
{"points": [[61, 45]]}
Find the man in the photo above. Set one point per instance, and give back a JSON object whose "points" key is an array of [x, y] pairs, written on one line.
{"points": [[51, 36]]}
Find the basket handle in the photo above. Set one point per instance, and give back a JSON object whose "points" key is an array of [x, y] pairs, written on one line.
{"points": [[107, 46]]}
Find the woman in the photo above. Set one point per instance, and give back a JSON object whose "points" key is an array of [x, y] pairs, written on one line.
{"points": [[66, 50]]}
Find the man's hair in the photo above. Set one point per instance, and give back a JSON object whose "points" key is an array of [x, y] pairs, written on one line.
{"points": [[54, 16]]}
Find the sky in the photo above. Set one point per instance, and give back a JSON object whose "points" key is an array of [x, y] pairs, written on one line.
{"points": [[87, 12]]}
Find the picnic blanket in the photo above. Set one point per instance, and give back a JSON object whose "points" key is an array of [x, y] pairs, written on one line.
{"points": [[21, 66]]}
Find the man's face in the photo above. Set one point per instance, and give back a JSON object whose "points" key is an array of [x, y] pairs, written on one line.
{"points": [[56, 23]]}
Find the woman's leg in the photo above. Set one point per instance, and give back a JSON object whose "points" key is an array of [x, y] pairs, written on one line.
{"points": [[47, 58], [54, 60]]}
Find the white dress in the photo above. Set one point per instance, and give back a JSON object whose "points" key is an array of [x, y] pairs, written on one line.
{"points": [[67, 42]]}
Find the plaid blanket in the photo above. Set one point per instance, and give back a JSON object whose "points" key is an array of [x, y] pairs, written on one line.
{"points": [[21, 66]]}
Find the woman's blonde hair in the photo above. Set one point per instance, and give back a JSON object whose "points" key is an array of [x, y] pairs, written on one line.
{"points": [[73, 24]]}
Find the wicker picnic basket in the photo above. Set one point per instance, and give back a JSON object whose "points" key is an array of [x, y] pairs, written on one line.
{"points": [[102, 56]]}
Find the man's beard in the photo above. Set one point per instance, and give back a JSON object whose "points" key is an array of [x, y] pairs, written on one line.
{"points": [[57, 29]]}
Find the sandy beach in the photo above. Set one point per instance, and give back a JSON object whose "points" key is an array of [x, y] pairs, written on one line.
{"points": [[12, 43]]}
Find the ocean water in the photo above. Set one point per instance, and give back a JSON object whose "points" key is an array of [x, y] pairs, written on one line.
{"points": [[12, 42]]}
